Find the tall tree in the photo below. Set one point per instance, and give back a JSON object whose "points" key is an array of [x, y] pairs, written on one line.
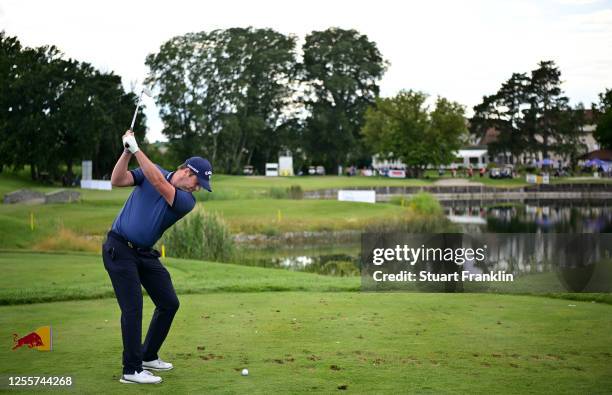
{"points": [[10, 53], [544, 117], [341, 69], [403, 127], [224, 93], [503, 111], [531, 116], [603, 132], [570, 123], [56, 112]]}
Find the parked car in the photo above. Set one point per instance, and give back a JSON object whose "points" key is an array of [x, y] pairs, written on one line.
{"points": [[506, 172], [496, 172], [248, 170]]}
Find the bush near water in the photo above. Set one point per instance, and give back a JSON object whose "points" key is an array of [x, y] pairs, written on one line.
{"points": [[201, 235]]}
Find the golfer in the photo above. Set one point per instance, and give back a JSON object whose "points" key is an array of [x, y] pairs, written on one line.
{"points": [[159, 199]]}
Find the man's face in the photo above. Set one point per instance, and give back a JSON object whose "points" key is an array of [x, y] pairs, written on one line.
{"points": [[186, 180]]}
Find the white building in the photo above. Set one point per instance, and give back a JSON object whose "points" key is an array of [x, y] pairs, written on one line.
{"points": [[476, 157]]}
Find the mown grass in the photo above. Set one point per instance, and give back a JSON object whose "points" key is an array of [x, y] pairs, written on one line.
{"points": [[227, 187], [29, 277], [268, 216], [34, 277], [281, 215], [311, 342], [80, 219]]}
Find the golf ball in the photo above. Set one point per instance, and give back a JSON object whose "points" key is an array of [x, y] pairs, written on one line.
{"points": [[245, 372]]}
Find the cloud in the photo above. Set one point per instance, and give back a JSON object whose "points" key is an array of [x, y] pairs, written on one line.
{"points": [[579, 2]]}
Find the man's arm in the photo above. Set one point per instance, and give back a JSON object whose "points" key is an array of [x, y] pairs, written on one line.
{"points": [[155, 177], [150, 171], [121, 177]]}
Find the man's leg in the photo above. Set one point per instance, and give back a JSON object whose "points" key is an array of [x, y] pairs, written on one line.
{"points": [[156, 280], [122, 267]]}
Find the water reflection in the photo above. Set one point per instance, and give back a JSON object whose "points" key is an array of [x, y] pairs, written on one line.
{"points": [[533, 217], [517, 262], [473, 217], [323, 260]]}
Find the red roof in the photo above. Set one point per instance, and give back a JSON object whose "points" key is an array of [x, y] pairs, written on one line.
{"points": [[601, 154], [490, 136]]}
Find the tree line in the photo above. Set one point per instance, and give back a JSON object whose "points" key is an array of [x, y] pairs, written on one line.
{"points": [[55, 112], [532, 118], [243, 95], [240, 96]]}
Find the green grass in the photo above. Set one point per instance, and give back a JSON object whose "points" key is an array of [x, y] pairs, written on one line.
{"points": [[81, 218], [244, 202], [225, 187], [29, 277], [262, 215], [299, 332], [309, 342], [85, 219]]}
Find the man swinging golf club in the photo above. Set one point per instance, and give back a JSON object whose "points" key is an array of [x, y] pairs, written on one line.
{"points": [[159, 199]]}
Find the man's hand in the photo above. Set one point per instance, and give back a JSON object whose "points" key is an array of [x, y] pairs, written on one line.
{"points": [[129, 142]]}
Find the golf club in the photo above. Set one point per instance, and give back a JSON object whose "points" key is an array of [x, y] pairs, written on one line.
{"points": [[146, 92]]}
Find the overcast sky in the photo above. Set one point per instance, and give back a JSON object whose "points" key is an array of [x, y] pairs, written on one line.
{"points": [[461, 50]]}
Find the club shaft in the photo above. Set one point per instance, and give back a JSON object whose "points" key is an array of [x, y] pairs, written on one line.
{"points": [[134, 117], [136, 112]]}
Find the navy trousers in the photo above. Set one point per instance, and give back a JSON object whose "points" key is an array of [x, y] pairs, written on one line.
{"points": [[129, 268]]}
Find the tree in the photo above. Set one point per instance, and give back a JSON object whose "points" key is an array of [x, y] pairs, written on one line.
{"points": [[10, 52], [341, 69], [402, 127], [503, 111], [531, 116], [224, 94], [570, 123], [544, 117], [55, 112], [603, 132]]}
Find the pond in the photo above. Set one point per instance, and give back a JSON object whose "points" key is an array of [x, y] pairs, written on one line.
{"points": [[471, 217]]}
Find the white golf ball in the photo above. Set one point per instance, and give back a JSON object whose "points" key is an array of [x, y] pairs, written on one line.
{"points": [[245, 372]]}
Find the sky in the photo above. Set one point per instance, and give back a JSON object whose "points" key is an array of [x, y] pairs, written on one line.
{"points": [[461, 50]]}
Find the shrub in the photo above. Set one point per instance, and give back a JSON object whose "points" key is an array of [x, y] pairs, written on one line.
{"points": [[398, 200], [277, 193], [67, 240], [424, 203], [201, 235], [295, 192]]}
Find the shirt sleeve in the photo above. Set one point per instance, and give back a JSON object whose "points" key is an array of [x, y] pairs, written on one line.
{"points": [[138, 176], [184, 202]]}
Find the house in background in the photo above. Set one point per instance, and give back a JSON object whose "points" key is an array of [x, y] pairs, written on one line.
{"points": [[476, 154], [586, 139]]}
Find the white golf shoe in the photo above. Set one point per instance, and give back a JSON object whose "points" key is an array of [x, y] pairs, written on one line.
{"points": [[144, 377], [157, 364]]}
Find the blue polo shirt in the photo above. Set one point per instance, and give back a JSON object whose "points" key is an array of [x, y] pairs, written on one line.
{"points": [[146, 215]]}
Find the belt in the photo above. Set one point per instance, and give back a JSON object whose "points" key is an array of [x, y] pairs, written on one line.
{"points": [[128, 243]]}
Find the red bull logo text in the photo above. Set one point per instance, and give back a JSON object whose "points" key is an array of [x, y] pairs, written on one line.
{"points": [[40, 339]]}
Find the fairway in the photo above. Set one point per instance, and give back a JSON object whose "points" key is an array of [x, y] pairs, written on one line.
{"points": [[297, 342], [88, 219], [302, 332], [43, 277]]}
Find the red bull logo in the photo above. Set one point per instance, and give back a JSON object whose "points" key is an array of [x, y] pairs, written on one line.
{"points": [[40, 339]]}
